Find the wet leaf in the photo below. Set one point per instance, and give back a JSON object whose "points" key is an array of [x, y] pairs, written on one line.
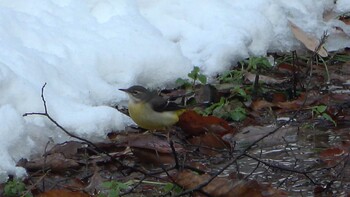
{"points": [[309, 42], [56, 162], [261, 104], [208, 141], [226, 187], [62, 193], [150, 149], [68, 149], [265, 79], [250, 134], [152, 157], [331, 156], [205, 94], [194, 124]]}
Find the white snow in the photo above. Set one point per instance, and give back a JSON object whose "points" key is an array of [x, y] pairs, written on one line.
{"points": [[86, 49]]}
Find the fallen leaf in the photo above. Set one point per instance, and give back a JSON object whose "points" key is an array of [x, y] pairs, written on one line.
{"points": [[261, 104], [151, 156], [250, 134], [62, 193], [225, 187], [287, 68], [309, 42], [332, 156], [206, 94], [209, 140], [68, 149], [150, 149], [194, 124], [56, 162], [262, 78]]}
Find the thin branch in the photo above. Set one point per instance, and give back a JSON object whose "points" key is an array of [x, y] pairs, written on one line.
{"points": [[46, 114], [177, 166]]}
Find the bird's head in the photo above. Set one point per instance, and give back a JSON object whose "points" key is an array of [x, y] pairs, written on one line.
{"points": [[138, 93]]}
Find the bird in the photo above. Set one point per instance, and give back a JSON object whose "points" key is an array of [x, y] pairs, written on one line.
{"points": [[151, 111]]}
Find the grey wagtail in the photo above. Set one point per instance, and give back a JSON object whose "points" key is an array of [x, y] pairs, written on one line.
{"points": [[151, 111]]}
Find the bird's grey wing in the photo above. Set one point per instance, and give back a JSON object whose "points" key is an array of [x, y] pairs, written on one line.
{"points": [[160, 104]]}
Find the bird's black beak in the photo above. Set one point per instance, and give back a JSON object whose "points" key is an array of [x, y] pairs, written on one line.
{"points": [[124, 90]]}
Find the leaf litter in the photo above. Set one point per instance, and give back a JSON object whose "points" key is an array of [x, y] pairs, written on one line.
{"points": [[284, 145]]}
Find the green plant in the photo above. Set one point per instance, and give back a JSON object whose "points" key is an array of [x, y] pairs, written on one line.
{"points": [[239, 91], [170, 187], [216, 106], [232, 76], [15, 188], [228, 110], [115, 187], [238, 114], [258, 63], [320, 110], [195, 75]]}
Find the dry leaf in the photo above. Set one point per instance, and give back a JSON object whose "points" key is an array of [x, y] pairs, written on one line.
{"points": [[150, 149], [57, 162], [225, 187], [309, 42], [194, 124], [332, 156], [262, 78], [62, 193], [68, 149]]}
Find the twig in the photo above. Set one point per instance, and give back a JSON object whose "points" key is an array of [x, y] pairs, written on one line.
{"points": [[36, 183], [134, 187], [243, 153], [46, 114], [177, 166]]}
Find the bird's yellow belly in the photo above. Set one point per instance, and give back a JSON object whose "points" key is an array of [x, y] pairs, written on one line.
{"points": [[147, 118]]}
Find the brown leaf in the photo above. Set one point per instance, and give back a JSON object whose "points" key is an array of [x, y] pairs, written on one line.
{"points": [[150, 141], [223, 187], [95, 182], [68, 149], [62, 193], [56, 162], [149, 156], [206, 94], [309, 42], [345, 20], [287, 68], [261, 104], [262, 78], [250, 134], [194, 124], [150, 149], [209, 140], [331, 156]]}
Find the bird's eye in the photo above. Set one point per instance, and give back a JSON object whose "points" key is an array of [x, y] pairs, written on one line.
{"points": [[135, 92]]}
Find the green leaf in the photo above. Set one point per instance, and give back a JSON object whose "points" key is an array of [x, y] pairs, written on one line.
{"points": [[321, 108], [107, 184], [122, 185], [210, 109], [202, 78], [195, 69], [171, 187], [241, 92], [168, 187], [318, 110], [14, 188], [194, 73], [238, 114], [329, 118], [113, 193]]}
